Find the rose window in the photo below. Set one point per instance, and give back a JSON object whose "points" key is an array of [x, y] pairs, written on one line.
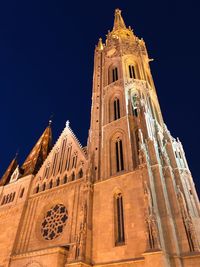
{"points": [[54, 222]]}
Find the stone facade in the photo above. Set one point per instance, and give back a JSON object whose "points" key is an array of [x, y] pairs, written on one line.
{"points": [[127, 199]]}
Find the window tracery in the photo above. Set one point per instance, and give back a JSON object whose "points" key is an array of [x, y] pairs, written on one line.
{"points": [[54, 222]]}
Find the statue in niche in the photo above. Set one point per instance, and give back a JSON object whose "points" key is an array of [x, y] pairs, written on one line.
{"points": [[151, 223], [135, 101], [142, 155], [187, 220], [81, 238]]}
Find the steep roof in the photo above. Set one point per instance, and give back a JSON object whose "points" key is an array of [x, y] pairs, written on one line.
{"points": [[7, 175], [39, 153]]}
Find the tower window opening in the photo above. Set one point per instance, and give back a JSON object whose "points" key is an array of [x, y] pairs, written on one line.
{"points": [[131, 71], [112, 75], [119, 220], [119, 155], [116, 109], [22, 193]]}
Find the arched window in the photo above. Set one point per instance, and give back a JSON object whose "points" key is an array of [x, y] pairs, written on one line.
{"points": [[74, 160], [73, 176], [37, 189], [116, 109], [65, 179], [62, 155], [10, 197], [131, 69], [44, 187], [67, 164], [13, 196], [55, 163], [112, 74], [46, 172], [22, 193], [119, 219], [58, 181], [3, 200], [119, 155], [80, 174], [50, 184]]}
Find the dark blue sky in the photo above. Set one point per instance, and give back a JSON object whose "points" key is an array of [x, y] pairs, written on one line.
{"points": [[46, 67]]}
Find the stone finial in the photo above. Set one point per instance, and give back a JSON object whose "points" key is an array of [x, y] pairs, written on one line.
{"points": [[67, 123]]}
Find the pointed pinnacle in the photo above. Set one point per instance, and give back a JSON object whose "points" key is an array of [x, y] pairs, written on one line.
{"points": [[118, 22], [100, 44]]}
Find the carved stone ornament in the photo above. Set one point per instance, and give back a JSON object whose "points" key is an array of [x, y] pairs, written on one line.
{"points": [[188, 223], [153, 241]]}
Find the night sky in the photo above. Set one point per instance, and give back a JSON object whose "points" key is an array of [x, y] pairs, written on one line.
{"points": [[46, 67]]}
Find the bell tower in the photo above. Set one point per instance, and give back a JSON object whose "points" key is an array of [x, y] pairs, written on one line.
{"points": [[145, 206], [124, 98]]}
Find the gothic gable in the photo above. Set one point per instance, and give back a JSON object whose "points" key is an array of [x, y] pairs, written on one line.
{"points": [[66, 162]]}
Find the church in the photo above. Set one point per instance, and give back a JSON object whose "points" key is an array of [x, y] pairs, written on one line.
{"points": [[127, 199]]}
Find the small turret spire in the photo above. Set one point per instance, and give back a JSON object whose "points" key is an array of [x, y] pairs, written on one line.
{"points": [[118, 22], [100, 44]]}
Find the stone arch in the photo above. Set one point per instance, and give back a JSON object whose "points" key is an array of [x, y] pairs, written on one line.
{"points": [[132, 73], [115, 112], [112, 73]]}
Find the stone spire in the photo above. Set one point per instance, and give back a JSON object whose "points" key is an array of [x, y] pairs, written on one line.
{"points": [[7, 175], [39, 152], [118, 22]]}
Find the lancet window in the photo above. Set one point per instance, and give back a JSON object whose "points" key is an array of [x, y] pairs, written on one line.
{"points": [[67, 164], [119, 219], [112, 74], [74, 160], [62, 155], [119, 155], [21, 193], [131, 69], [116, 104], [55, 163]]}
